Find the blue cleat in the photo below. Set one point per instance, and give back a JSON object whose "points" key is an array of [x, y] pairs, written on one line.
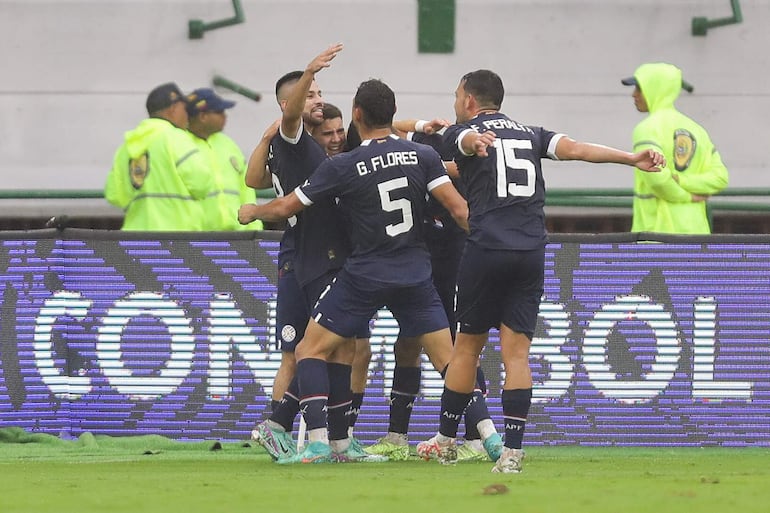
{"points": [[277, 442], [314, 452], [494, 446]]}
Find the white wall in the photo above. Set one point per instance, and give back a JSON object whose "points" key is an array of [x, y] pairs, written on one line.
{"points": [[74, 74]]}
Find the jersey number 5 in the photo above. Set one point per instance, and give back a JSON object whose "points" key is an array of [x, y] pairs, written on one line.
{"points": [[391, 205], [506, 159]]}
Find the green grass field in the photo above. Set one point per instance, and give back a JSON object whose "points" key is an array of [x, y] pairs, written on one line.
{"points": [[154, 474]]}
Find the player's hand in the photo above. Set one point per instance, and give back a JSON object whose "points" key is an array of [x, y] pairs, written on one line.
{"points": [[434, 125], [649, 160], [482, 142], [247, 213], [272, 130], [324, 59]]}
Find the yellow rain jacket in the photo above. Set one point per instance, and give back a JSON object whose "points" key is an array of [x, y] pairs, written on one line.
{"points": [[159, 178], [229, 190], [661, 204]]}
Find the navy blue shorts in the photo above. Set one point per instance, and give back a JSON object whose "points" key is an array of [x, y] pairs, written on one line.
{"points": [[353, 300], [499, 287], [315, 288], [292, 312]]}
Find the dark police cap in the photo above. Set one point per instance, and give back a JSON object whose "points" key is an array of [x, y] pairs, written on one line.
{"points": [[164, 96], [206, 100]]}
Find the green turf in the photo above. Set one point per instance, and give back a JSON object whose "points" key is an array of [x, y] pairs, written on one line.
{"points": [[153, 474]]}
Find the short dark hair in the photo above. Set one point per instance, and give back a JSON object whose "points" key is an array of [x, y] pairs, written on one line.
{"points": [[377, 102], [486, 86], [331, 111], [353, 139], [291, 76]]}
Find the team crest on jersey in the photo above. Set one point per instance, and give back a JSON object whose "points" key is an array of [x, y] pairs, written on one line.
{"points": [[138, 169], [684, 149]]}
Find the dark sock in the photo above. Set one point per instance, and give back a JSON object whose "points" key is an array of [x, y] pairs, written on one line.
{"points": [[452, 406], [313, 382], [287, 408], [274, 404], [339, 400], [406, 386], [476, 413], [355, 408], [516, 405]]}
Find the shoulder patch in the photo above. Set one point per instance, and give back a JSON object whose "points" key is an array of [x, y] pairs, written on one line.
{"points": [[684, 149], [138, 169]]}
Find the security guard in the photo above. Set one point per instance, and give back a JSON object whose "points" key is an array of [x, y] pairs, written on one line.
{"points": [[674, 200], [206, 111], [159, 177]]}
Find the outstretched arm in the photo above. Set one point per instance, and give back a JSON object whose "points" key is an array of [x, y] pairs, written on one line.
{"points": [[646, 160], [257, 173], [474, 143], [295, 104], [275, 210], [402, 126]]}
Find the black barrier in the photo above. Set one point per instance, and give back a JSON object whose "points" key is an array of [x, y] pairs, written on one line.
{"points": [[639, 343]]}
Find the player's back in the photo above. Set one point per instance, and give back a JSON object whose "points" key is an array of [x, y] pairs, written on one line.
{"points": [[506, 189], [382, 187]]}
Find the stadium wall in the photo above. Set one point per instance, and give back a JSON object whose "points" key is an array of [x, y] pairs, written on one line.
{"points": [[638, 343], [76, 72]]}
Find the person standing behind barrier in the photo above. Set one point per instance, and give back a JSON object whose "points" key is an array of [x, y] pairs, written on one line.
{"points": [[159, 176], [502, 272], [674, 200], [207, 118]]}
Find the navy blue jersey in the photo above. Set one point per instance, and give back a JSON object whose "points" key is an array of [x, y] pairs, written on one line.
{"points": [[505, 190], [381, 187], [318, 239], [437, 217]]}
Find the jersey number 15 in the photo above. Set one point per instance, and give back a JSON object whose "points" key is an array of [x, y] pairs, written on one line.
{"points": [[506, 159]]}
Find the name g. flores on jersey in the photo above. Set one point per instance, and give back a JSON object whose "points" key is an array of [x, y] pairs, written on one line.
{"points": [[382, 187], [506, 189]]}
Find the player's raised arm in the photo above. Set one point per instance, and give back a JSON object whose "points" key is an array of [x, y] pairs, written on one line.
{"points": [[295, 103], [257, 173]]}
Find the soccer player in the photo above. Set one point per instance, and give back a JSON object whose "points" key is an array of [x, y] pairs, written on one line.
{"points": [[500, 282], [381, 188], [313, 249], [445, 241]]}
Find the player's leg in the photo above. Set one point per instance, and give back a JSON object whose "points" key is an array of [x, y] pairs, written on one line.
{"points": [[274, 434], [358, 378], [403, 392], [516, 332]]}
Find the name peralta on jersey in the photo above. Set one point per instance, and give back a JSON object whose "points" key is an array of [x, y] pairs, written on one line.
{"points": [[317, 241], [381, 188], [505, 190]]}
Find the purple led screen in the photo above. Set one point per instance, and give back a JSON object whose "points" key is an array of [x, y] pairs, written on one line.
{"points": [[638, 343]]}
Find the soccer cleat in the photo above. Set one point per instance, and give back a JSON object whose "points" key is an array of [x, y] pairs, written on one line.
{"points": [[393, 445], [471, 450], [277, 442], [314, 452], [356, 454], [509, 462], [494, 446], [444, 452]]}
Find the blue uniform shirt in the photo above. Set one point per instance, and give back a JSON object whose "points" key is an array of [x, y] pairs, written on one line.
{"points": [[317, 240], [505, 190], [381, 187]]}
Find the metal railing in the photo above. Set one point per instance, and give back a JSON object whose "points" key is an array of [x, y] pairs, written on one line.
{"points": [[589, 198]]}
